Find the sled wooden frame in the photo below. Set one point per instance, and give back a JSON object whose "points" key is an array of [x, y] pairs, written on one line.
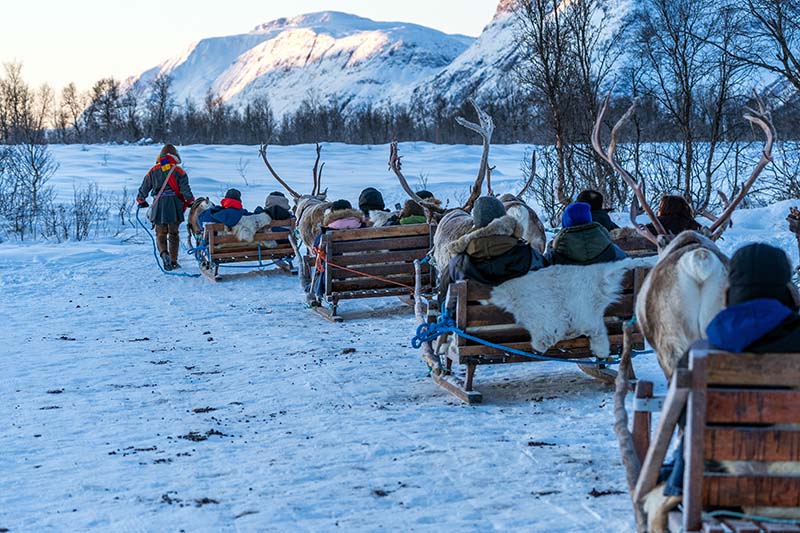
{"points": [[490, 323], [730, 400], [387, 252], [224, 248]]}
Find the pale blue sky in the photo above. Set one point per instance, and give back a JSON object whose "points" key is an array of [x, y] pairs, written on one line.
{"points": [[59, 41]]}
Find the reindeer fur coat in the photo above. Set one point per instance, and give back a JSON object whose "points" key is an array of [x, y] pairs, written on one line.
{"points": [[566, 301]]}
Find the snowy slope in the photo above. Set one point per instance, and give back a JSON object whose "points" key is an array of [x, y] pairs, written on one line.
{"points": [[486, 69], [321, 55], [110, 368]]}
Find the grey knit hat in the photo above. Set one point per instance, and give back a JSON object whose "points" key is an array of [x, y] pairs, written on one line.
{"points": [[277, 199], [487, 208]]}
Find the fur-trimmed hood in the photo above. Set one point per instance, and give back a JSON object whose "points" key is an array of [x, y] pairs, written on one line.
{"points": [[333, 216], [505, 226]]}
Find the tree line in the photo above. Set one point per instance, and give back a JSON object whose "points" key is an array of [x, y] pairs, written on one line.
{"points": [[692, 65]]}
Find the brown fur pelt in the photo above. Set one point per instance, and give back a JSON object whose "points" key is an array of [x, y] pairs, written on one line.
{"points": [[681, 295], [532, 226], [505, 226]]}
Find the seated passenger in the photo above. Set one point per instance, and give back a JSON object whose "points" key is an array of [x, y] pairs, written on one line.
{"points": [[676, 215], [761, 317], [595, 200], [582, 241], [371, 203], [412, 213], [428, 196], [341, 215], [493, 252], [229, 213], [276, 206]]}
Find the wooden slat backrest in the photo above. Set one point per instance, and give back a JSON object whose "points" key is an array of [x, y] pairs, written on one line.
{"points": [[741, 407], [387, 253]]}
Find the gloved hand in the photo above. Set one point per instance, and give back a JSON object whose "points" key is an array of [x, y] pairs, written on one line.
{"points": [[143, 204]]}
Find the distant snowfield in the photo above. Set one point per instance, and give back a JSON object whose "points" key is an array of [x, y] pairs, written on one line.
{"points": [[134, 401]]}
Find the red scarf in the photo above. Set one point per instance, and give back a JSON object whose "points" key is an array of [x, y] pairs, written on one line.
{"points": [[230, 203]]}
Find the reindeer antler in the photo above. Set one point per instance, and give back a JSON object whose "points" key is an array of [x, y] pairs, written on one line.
{"points": [[485, 129], [263, 152], [531, 177], [763, 120], [317, 172], [396, 165], [626, 177]]}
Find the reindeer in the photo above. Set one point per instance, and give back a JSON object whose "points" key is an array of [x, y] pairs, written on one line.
{"points": [[533, 228], [686, 288], [455, 223], [309, 210], [193, 225], [683, 292]]}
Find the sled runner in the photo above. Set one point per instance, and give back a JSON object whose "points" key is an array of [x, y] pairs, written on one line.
{"points": [[466, 302], [738, 407], [370, 263], [220, 248]]}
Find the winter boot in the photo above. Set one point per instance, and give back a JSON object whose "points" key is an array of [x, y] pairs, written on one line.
{"points": [[166, 261]]}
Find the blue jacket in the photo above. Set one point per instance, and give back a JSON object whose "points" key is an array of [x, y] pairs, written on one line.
{"points": [[740, 326], [220, 215]]}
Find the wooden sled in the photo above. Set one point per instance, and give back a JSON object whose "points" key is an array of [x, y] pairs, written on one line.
{"points": [[733, 404], [372, 263], [490, 323], [267, 246]]}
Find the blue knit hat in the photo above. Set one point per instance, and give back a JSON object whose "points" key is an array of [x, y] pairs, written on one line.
{"points": [[576, 214]]}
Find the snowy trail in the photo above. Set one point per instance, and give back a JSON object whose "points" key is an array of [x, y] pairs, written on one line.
{"points": [[109, 368], [107, 362]]}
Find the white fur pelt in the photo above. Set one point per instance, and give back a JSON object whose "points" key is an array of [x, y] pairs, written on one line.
{"points": [[249, 225], [566, 301], [380, 218]]}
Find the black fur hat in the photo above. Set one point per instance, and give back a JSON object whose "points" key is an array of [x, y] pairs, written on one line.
{"points": [[371, 199], [593, 198], [760, 271], [234, 194], [341, 205]]}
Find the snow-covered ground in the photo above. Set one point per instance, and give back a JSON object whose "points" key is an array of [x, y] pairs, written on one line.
{"points": [[134, 401]]}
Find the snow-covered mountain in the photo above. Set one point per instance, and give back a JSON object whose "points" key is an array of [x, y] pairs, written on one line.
{"points": [[485, 69], [322, 56]]}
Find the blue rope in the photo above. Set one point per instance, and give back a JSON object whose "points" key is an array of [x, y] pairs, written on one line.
{"points": [[733, 514], [155, 252], [430, 332]]}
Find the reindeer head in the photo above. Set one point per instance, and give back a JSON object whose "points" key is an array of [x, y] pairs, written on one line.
{"points": [[435, 212], [661, 238]]}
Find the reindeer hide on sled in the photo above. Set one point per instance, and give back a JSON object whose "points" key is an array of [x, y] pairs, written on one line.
{"points": [[566, 301]]}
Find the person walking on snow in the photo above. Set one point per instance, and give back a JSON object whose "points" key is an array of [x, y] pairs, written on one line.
{"points": [[169, 185]]}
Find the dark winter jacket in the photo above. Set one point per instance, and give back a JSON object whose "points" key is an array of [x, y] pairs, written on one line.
{"points": [[491, 255], [757, 326], [601, 216], [177, 195], [229, 213], [588, 244], [275, 212]]}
